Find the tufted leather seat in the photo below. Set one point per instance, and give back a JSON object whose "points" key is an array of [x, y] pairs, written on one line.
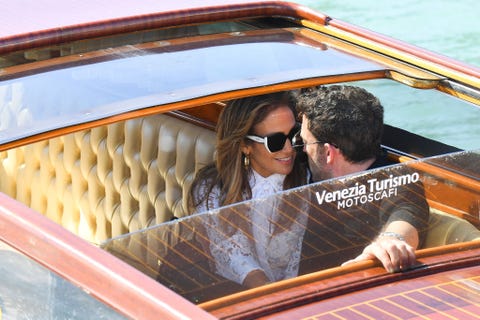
{"points": [[446, 229], [110, 180]]}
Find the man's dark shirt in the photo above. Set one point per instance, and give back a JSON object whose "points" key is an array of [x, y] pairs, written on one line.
{"points": [[339, 230]]}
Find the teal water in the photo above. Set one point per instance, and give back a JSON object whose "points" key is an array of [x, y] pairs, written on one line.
{"points": [[450, 28]]}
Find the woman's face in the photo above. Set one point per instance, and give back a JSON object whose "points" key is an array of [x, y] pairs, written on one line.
{"points": [[280, 119]]}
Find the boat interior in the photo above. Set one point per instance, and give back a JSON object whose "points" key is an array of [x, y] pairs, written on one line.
{"points": [[119, 178], [114, 175]]}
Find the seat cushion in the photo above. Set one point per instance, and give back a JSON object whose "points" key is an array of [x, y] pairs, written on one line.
{"points": [[107, 181]]}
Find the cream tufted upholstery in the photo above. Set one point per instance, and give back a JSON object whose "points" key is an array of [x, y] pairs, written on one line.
{"points": [[445, 229], [110, 180]]}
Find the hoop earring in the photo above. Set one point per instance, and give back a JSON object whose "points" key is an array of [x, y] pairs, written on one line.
{"points": [[246, 160]]}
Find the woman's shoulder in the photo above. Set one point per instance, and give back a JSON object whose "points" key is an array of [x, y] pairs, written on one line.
{"points": [[204, 190], [206, 176]]}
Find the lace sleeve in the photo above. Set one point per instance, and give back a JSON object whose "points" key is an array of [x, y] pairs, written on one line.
{"points": [[231, 250], [233, 253]]}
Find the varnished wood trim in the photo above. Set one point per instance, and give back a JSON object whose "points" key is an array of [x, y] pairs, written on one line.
{"points": [[154, 20], [97, 272], [397, 70], [184, 43], [338, 281], [224, 96], [204, 116], [402, 51]]}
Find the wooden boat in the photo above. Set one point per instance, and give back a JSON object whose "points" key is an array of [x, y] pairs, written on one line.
{"points": [[108, 111]]}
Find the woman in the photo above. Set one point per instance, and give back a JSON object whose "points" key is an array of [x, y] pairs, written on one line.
{"points": [[254, 159]]}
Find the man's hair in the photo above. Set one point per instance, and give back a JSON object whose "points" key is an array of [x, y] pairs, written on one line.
{"points": [[349, 117]]}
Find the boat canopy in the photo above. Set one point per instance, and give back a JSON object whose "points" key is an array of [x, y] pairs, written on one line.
{"points": [[132, 78]]}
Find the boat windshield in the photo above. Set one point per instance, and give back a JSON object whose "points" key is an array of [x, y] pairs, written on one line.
{"points": [[30, 291], [307, 229], [118, 80]]}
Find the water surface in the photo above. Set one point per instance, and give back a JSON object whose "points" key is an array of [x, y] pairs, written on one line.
{"points": [[449, 28]]}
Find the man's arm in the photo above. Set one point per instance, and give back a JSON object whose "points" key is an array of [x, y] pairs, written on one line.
{"points": [[406, 221], [394, 247]]}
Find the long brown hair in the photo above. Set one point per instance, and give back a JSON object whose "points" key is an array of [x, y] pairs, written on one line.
{"points": [[228, 172]]}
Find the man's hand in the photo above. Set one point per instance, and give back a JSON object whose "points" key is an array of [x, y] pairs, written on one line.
{"points": [[395, 247], [394, 254]]}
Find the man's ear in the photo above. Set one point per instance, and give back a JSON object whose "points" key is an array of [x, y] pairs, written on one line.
{"points": [[331, 153]]}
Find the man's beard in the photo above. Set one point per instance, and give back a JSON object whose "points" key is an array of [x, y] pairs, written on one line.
{"points": [[318, 168]]}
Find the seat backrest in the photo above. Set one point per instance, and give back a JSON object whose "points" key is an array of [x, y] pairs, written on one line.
{"points": [[445, 229], [107, 181]]}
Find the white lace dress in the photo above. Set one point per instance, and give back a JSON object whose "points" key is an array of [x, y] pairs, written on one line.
{"points": [[270, 248]]}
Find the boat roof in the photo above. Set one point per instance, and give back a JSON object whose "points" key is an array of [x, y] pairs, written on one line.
{"points": [[54, 14], [71, 43], [50, 21]]}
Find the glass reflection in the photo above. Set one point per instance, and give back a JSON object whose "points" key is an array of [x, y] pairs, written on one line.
{"points": [[132, 79], [30, 291], [307, 229]]}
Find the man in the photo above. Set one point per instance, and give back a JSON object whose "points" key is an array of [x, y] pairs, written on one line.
{"points": [[342, 128]]}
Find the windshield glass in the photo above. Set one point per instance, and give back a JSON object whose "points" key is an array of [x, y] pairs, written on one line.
{"points": [[307, 229], [30, 291], [117, 80], [428, 113]]}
